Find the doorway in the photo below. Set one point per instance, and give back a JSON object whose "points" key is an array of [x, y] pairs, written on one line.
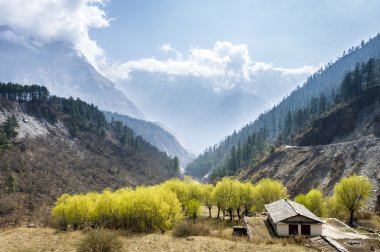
{"points": [[305, 230], [293, 229]]}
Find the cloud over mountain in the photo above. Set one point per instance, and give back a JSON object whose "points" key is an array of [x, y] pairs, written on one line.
{"points": [[60, 20], [224, 67]]}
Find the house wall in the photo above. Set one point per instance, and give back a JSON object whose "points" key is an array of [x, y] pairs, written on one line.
{"points": [[283, 229], [316, 229]]}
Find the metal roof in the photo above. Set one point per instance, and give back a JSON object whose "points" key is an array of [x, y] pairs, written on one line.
{"points": [[283, 209]]}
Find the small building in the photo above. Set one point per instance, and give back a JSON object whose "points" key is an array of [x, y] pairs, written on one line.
{"points": [[290, 218]]}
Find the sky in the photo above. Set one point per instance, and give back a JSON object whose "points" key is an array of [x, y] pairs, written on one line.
{"points": [[264, 48], [284, 34], [289, 33]]}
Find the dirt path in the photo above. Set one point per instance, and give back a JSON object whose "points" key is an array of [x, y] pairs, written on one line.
{"points": [[337, 230]]}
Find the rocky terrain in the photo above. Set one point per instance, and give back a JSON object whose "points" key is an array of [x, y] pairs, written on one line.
{"points": [[342, 142]]}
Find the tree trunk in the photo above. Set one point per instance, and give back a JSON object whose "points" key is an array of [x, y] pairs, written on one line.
{"points": [[246, 211], [194, 218], [218, 212], [238, 213], [231, 217], [209, 212], [351, 218]]}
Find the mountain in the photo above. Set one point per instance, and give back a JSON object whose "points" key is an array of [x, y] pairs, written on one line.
{"points": [[65, 146], [275, 124], [155, 135], [343, 141], [199, 113], [62, 69]]}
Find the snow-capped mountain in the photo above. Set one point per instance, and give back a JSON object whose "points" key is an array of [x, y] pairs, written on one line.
{"points": [[63, 70]]}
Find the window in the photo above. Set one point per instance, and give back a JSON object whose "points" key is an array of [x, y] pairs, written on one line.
{"points": [[305, 229], [293, 229]]}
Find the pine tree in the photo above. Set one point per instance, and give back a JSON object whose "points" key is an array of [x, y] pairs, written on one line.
{"points": [[10, 127], [371, 75], [11, 184], [288, 125], [346, 87], [322, 103]]}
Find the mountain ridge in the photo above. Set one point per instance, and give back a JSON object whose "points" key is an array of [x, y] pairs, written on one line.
{"points": [[156, 135]]}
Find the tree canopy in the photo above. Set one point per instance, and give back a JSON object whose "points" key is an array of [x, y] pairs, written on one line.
{"points": [[352, 193]]}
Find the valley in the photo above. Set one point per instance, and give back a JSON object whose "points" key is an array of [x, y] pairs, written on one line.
{"points": [[202, 126]]}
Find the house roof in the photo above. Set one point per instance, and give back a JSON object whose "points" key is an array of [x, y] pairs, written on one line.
{"points": [[283, 209]]}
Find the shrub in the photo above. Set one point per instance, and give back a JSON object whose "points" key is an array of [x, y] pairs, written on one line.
{"points": [[184, 229], [100, 241]]}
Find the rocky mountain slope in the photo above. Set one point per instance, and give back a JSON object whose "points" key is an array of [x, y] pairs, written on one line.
{"points": [[342, 142], [63, 70], [155, 135], [324, 83], [66, 146]]}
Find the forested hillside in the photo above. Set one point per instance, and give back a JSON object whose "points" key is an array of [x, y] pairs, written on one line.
{"points": [[51, 145], [155, 135], [277, 125]]}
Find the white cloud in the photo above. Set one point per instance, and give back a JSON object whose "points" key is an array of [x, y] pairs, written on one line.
{"points": [[66, 20], [167, 48], [226, 65]]}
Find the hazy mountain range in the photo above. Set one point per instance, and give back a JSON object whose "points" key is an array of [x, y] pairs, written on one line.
{"points": [[155, 135], [201, 110]]}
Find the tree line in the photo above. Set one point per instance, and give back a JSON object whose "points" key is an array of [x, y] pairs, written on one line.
{"points": [[161, 206], [23, 93], [243, 155]]}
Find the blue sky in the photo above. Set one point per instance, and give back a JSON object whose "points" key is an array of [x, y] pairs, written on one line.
{"points": [[288, 33]]}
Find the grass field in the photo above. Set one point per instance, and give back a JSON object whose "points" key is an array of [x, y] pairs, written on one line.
{"points": [[220, 238], [46, 239]]}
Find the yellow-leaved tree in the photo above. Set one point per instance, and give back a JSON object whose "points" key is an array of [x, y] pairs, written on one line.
{"points": [[143, 209], [247, 197], [193, 208], [352, 193], [207, 197], [314, 201], [267, 191], [180, 188]]}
